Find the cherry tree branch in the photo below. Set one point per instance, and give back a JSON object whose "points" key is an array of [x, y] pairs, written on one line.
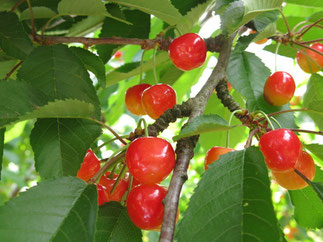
{"points": [[185, 147]]}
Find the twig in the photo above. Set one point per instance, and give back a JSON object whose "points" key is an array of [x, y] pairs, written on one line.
{"points": [[13, 70], [185, 147], [33, 30], [16, 5], [308, 131], [311, 41], [308, 27]]}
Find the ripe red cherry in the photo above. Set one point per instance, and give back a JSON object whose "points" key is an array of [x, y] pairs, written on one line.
{"points": [[90, 166], [213, 154], [279, 88], [118, 54], [103, 194], [157, 99], [150, 159], [108, 183], [310, 61], [290, 179], [145, 207], [133, 99], [187, 51], [281, 149]]}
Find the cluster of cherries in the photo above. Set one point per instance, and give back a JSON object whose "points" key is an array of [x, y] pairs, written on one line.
{"points": [[283, 155], [148, 166]]}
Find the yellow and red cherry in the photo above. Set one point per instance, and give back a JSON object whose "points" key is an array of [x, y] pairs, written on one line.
{"points": [[310, 61], [108, 183], [157, 99], [188, 51], [145, 207], [150, 159], [290, 179], [279, 88], [281, 149], [213, 154], [133, 99], [259, 42], [90, 166]]}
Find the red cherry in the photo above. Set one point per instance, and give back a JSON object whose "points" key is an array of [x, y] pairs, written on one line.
{"points": [[157, 99], [133, 99], [90, 166], [187, 51], [118, 54], [279, 88], [310, 61], [290, 179], [213, 154], [103, 194], [150, 159], [145, 207], [259, 42], [108, 183], [281, 149]]}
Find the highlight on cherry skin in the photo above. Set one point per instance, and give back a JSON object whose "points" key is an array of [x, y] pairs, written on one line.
{"points": [[281, 149], [133, 99], [157, 99], [290, 179], [310, 61], [90, 166], [188, 51], [214, 153], [145, 207], [150, 165], [279, 88]]}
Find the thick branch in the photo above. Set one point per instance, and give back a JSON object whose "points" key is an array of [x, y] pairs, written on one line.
{"points": [[185, 147]]}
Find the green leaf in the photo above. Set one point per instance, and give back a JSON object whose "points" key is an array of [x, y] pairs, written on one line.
{"points": [[162, 9], [317, 150], [139, 28], [203, 124], [318, 188], [92, 62], [221, 4], [192, 17], [82, 7], [264, 19], [85, 26], [311, 3], [13, 39], [232, 16], [6, 65], [38, 13], [60, 145], [234, 195], [185, 6], [2, 131], [248, 74], [285, 50], [308, 206], [313, 99], [59, 74], [114, 224], [58, 210], [116, 76]]}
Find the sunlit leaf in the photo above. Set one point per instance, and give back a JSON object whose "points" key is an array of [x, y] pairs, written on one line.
{"points": [[2, 131]]}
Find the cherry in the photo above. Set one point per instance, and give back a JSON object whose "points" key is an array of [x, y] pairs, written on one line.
{"points": [[279, 88], [145, 207], [290, 179], [213, 154], [281, 149], [118, 54], [108, 183], [150, 159], [310, 61], [259, 42], [103, 194], [157, 99], [133, 99], [188, 51], [90, 166]]}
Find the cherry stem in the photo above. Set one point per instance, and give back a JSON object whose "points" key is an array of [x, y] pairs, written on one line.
{"points": [[308, 131], [110, 129], [284, 111], [141, 63], [297, 25], [276, 122], [96, 149], [154, 64], [125, 196], [266, 117], [16, 5], [276, 54], [308, 181], [249, 140], [311, 41], [285, 21], [307, 47], [13, 70], [33, 30], [46, 25], [142, 120], [308, 27], [121, 175], [228, 131]]}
